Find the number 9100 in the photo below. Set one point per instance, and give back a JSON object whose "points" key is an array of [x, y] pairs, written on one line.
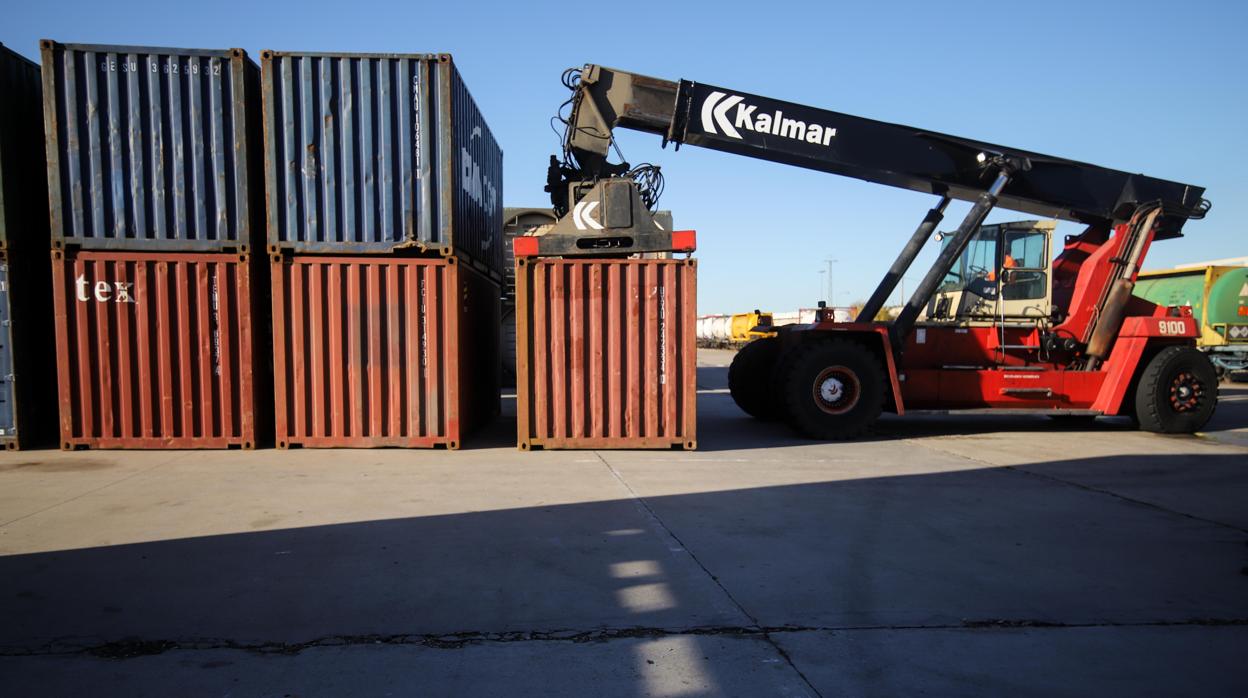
{"points": [[1172, 327]]}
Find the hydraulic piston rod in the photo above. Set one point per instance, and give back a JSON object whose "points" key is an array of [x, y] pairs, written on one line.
{"points": [[904, 259], [944, 261]]}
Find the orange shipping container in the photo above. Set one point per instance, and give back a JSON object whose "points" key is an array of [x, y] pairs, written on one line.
{"points": [[155, 349], [606, 353], [382, 351]]}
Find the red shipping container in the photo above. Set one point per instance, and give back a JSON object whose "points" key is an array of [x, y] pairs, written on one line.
{"points": [[606, 353], [155, 349], [382, 351]]}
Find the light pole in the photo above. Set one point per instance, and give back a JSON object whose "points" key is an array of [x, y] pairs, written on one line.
{"points": [[822, 287], [831, 288]]}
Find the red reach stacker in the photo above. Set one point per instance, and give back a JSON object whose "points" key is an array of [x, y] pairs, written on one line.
{"points": [[993, 325]]}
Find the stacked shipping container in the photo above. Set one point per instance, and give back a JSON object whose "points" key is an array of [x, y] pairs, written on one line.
{"points": [[27, 356], [153, 167], [161, 350], [384, 190]]}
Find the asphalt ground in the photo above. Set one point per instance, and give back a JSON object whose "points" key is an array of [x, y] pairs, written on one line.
{"points": [[942, 554]]}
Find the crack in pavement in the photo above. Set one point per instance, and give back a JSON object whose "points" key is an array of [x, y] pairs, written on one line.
{"points": [[134, 647]]}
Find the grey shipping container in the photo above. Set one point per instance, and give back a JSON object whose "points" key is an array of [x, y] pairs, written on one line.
{"points": [[27, 354], [152, 148], [379, 154]]}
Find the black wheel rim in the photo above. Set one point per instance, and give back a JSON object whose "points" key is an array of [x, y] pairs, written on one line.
{"points": [[836, 390], [1186, 393]]}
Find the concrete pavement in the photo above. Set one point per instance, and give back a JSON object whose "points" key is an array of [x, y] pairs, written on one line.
{"points": [[945, 554]]}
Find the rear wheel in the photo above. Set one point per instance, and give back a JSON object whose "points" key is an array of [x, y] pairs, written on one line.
{"points": [[1177, 393], [751, 378], [832, 389]]}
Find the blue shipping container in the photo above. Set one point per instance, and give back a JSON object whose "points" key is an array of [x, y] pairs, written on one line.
{"points": [[152, 148], [376, 154]]}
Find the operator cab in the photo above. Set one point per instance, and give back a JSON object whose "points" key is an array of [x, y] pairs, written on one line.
{"points": [[1003, 275]]}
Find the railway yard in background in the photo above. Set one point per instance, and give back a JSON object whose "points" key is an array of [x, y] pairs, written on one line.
{"points": [[939, 552]]}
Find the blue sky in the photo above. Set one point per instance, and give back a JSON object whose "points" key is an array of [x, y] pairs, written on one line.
{"points": [[1153, 87]]}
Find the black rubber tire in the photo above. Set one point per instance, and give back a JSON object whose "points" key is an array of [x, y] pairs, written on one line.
{"points": [[803, 368], [751, 378], [1161, 407]]}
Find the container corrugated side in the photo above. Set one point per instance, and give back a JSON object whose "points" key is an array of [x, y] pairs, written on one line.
{"points": [[156, 350], [607, 353], [27, 358], [377, 154], [152, 148], [382, 351]]}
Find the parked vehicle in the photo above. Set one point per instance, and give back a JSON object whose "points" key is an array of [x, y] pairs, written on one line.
{"points": [[1218, 297], [736, 330], [1008, 330]]}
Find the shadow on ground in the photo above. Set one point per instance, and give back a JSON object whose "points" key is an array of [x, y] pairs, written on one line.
{"points": [[982, 552]]}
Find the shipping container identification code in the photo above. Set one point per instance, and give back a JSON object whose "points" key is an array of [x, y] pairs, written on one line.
{"points": [[170, 67]]}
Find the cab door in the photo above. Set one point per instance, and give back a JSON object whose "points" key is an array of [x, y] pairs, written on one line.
{"points": [[969, 289], [1025, 284]]}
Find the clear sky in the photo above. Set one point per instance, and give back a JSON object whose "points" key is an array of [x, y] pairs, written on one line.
{"points": [[1153, 87]]}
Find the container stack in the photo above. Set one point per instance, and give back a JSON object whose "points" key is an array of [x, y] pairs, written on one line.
{"points": [[384, 190], [606, 348], [27, 355], [156, 205]]}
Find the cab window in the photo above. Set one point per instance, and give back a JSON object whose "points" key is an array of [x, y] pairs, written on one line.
{"points": [[1024, 256], [975, 269]]}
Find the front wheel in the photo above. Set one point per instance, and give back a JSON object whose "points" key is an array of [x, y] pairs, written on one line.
{"points": [[750, 378], [1177, 393], [832, 389]]}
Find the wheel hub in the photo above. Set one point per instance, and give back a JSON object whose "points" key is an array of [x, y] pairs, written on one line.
{"points": [[836, 390], [831, 390], [1186, 391]]}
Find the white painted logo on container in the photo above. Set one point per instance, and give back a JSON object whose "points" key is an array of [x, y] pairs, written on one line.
{"points": [[475, 183], [103, 291]]}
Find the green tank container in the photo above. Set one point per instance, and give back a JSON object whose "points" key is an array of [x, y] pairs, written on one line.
{"points": [[1218, 296]]}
